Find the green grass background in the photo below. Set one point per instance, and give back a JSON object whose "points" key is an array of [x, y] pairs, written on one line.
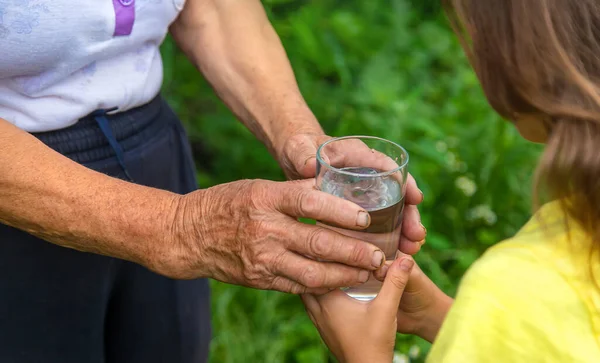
{"points": [[387, 68]]}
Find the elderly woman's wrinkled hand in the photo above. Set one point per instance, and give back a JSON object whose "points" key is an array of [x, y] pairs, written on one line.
{"points": [[247, 233]]}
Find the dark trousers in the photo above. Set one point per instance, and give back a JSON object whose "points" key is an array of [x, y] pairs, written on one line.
{"points": [[63, 306]]}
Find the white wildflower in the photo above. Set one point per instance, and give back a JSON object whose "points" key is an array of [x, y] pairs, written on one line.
{"points": [[452, 161], [441, 147], [466, 185], [414, 352], [400, 358], [451, 158], [482, 212]]}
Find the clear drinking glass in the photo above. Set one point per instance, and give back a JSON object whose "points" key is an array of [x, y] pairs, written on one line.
{"points": [[371, 172]]}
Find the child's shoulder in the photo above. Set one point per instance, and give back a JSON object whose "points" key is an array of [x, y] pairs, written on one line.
{"points": [[524, 309], [530, 298], [519, 270]]}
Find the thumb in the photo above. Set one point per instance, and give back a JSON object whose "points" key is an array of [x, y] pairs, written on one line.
{"points": [[395, 282], [301, 153], [304, 159]]}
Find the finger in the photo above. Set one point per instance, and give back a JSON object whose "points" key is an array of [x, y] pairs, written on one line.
{"points": [[323, 244], [286, 285], [311, 317], [366, 157], [355, 153], [298, 199], [391, 240], [311, 304], [418, 281], [412, 228], [302, 152], [344, 153], [309, 168], [381, 273], [307, 184], [370, 158], [410, 247], [414, 195], [313, 274], [388, 299], [333, 296]]}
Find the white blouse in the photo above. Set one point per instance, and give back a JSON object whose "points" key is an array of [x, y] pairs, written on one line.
{"points": [[62, 59]]}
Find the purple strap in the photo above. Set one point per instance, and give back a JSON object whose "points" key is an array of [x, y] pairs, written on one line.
{"points": [[125, 16]]}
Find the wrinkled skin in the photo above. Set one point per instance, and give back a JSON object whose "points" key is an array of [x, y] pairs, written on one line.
{"points": [[247, 233]]}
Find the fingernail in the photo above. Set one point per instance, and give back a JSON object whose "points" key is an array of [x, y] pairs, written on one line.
{"points": [[422, 195], [406, 264], [424, 229], [312, 157], [378, 259], [384, 270], [363, 276], [363, 219]]}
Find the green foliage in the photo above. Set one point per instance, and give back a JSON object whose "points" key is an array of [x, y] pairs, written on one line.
{"points": [[391, 69]]}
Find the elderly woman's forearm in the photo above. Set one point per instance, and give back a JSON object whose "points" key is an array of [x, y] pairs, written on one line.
{"points": [[54, 198], [234, 45]]}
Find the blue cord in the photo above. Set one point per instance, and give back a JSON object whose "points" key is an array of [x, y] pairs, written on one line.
{"points": [[100, 117]]}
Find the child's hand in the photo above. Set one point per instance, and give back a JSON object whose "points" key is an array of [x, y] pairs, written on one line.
{"points": [[423, 306], [357, 331]]}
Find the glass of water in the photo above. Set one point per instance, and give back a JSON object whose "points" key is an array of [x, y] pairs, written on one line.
{"points": [[371, 172]]}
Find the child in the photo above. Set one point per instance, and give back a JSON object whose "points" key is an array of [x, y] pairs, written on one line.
{"points": [[536, 296]]}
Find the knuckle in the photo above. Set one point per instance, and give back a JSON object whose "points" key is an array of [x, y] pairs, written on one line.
{"points": [[309, 203], [255, 275], [278, 264], [259, 193], [317, 243], [297, 289], [287, 286], [400, 281], [312, 277], [251, 276], [279, 284], [255, 191], [359, 253]]}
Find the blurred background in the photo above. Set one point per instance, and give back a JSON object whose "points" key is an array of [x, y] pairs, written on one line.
{"points": [[386, 68]]}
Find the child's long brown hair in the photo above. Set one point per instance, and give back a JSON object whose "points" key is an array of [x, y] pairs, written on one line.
{"points": [[542, 58]]}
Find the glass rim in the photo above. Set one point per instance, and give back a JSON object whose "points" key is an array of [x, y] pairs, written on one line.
{"points": [[362, 175]]}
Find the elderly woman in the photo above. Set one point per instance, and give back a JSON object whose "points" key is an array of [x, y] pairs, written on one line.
{"points": [[94, 160]]}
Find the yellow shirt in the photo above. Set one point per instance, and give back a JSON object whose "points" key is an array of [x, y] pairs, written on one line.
{"points": [[528, 299]]}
